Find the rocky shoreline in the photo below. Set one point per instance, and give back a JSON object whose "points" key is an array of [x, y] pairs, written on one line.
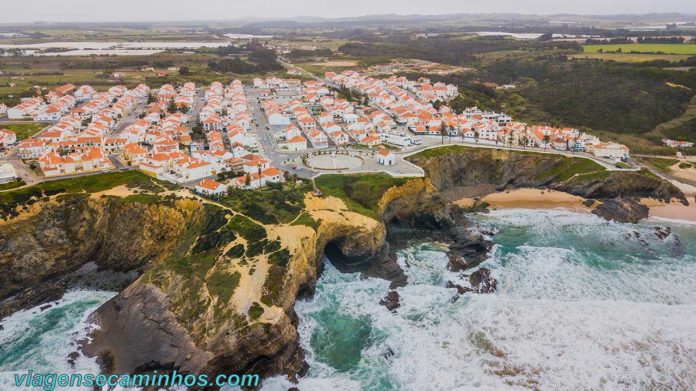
{"points": [[188, 270]]}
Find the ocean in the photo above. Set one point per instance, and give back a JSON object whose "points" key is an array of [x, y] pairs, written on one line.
{"points": [[582, 304]]}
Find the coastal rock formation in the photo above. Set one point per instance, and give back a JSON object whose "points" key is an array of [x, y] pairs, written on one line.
{"points": [[622, 210], [391, 301], [82, 241], [214, 291], [459, 172], [210, 289], [469, 247], [482, 282], [220, 314]]}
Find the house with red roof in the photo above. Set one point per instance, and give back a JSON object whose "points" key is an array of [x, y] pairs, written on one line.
{"points": [[385, 157], [210, 187]]}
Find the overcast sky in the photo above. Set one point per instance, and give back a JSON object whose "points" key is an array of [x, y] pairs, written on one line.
{"points": [[168, 10]]}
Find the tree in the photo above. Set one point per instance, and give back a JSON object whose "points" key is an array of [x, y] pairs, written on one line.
{"points": [[547, 138], [247, 180], [184, 109], [184, 71], [171, 108]]}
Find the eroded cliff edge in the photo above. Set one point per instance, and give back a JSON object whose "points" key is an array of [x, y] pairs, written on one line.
{"points": [[455, 172], [211, 288]]}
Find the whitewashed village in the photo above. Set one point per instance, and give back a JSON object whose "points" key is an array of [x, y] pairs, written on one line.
{"points": [[260, 133]]}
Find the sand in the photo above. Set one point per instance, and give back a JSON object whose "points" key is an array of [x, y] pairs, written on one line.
{"points": [[672, 210], [687, 174], [550, 199], [530, 199], [337, 63]]}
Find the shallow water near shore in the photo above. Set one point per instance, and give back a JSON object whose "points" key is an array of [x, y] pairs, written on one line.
{"points": [[581, 304]]}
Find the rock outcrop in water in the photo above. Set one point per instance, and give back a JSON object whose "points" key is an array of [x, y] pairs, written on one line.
{"points": [[196, 324], [391, 301], [212, 290], [482, 282], [215, 290], [457, 172], [622, 210]]}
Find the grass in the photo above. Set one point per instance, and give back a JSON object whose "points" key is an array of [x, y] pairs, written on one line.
{"points": [[657, 48], [306, 219], [661, 164], [12, 185], [572, 166], [255, 311], [249, 230], [440, 151], [361, 192], [87, 184], [223, 284], [631, 57], [24, 129], [269, 205]]}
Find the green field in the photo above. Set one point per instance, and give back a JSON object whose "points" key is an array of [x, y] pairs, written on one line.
{"points": [[631, 57], [24, 129], [666, 48], [361, 192]]}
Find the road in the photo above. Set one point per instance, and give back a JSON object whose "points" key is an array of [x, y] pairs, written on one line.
{"points": [[129, 119], [284, 160]]}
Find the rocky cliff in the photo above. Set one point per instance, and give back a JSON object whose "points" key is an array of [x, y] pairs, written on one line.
{"points": [[456, 172], [207, 288], [78, 240], [224, 299]]}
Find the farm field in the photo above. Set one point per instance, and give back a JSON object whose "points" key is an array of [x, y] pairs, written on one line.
{"points": [[631, 57], [657, 48]]}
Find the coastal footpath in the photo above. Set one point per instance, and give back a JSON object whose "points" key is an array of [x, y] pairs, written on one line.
{"points": [[209, 285]]}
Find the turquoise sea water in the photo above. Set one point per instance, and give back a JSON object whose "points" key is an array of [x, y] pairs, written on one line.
{"points": [[582, 304], [42, 340]]}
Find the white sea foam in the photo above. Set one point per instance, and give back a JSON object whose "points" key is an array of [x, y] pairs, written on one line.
{"points": [[564, 317], [582, 304], [42, 340]]}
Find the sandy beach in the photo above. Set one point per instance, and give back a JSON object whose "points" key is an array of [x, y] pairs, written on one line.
{"points": [[530, 199], [551, 199], [672, 210]]}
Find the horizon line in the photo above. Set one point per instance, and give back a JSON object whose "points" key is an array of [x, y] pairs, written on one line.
{"points": [[298, 18]]}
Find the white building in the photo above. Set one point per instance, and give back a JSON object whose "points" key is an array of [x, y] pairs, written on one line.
{"points": [[210, 187], [7, 173], [612, 151], [7, 137], [385, 157]]}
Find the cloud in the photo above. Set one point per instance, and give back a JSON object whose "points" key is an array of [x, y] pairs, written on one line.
{"points": [[179, 10]]}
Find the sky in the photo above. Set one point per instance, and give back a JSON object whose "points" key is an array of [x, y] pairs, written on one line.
{"points": [[24, 11]]}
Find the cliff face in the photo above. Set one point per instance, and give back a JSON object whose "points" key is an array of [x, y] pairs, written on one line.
{"points": [[488, 170], [210, 289], [223, 301], [46, 252]]}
